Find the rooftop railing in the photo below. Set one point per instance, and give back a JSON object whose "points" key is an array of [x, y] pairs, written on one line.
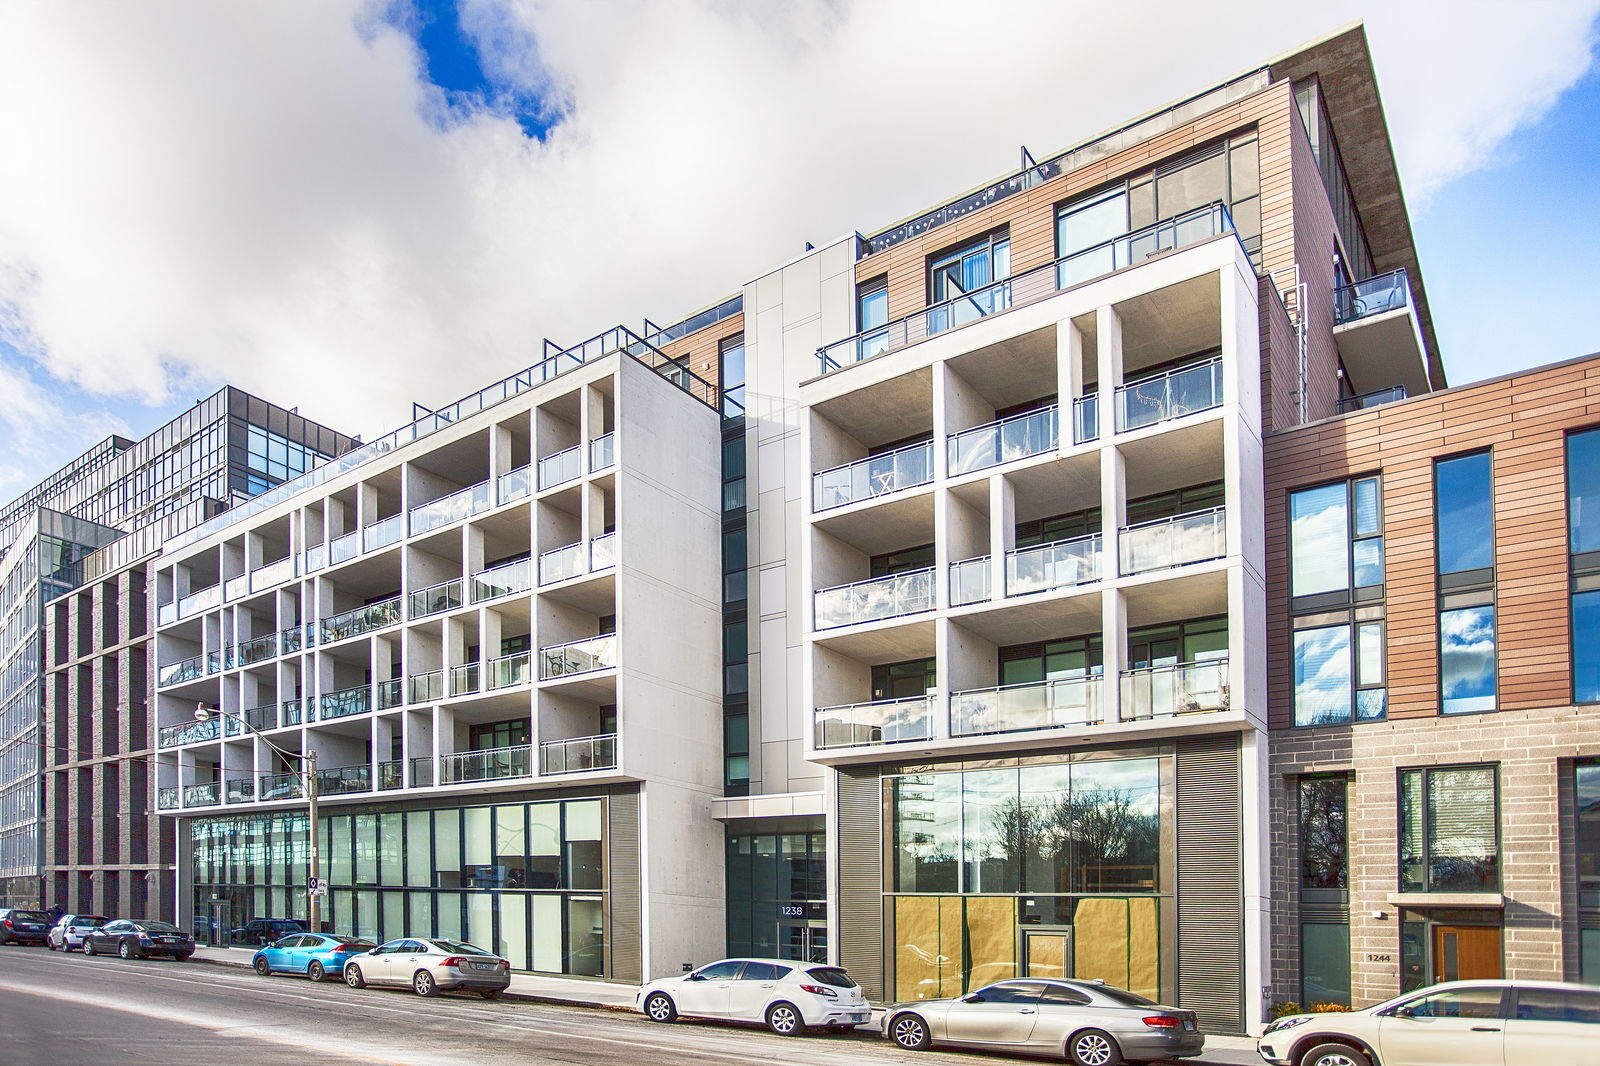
{"points": [[489, 765], [1058, 565], [1177, 541], [572, 756], [875, 475], [878, 722], [361, 620], [578, 656], [1047, 704], [1375, 398], [1371, 296], [1182, 688], [908, 592], [1005, 440], [452, 508], [1182, 391]]}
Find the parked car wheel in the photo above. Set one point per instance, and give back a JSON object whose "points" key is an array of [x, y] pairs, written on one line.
{"points": [[785, 1020], [658, 1007], [316, 972], [910, 1032], [352, 976], [489, 993], [88, 947], [181, 958], [1093, 1048], [261, 967], [125, 950], [423, 984], [1334, 1055]]}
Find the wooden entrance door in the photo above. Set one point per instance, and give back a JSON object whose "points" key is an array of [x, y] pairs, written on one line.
{"points": [[1466, 953]]}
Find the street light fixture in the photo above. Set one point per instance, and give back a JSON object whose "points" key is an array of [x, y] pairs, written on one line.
{"points": [[308, 776]]}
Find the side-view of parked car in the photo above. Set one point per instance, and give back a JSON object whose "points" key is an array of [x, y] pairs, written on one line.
{"points": [[316, 955], [430, 967], [786, 996], [69, 930], [137, 939], [265, 931], [1514, 1023], [23, 927]]}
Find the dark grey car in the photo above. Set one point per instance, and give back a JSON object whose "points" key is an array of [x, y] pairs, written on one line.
{"points": [[23, 927], [1091, 1023], [138, 939]]}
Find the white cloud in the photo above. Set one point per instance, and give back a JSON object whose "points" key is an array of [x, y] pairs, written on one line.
{"points": [[35, 426], [263, 193]]}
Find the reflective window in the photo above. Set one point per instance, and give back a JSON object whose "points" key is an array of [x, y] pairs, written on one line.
{"points": [[1017, 992], [1586, 793], [721, 971], [1335, 539], [1458, 1003], [731, 371], [1559, 1005], [1324, 854], [1586, 647], [1324, 964], [1449, 830], [1464, 513], [1583, 491], [1467, 660], [1338, 680]]}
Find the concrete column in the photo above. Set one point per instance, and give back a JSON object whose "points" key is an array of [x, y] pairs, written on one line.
{"points": [[1108, 353], [1002, 530], [1113, 612], [1069, 380]]}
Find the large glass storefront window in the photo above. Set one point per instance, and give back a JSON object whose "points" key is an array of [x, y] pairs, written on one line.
{"points": [[525, 880], [1043, 870]]}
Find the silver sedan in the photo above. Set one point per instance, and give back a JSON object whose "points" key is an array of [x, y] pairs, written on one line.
{"points": [[1092, 1023]]}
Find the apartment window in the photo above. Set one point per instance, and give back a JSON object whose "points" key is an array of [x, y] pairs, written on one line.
{"points": [[1464, 534], [1338, 672], [1583, 542], [1450, 829], [960, 280], [1586, 795], [1051, 660], [872, 315], [1324, 891], [731, 372], [1324, 843], [734, 562], [898, 681], [1464, 517], [1336, 544]]}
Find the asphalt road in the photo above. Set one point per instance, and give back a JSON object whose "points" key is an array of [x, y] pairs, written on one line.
{"points": [[69, 1010]]}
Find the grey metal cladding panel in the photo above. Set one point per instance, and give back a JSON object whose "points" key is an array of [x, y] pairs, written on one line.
{"points": [[860, 913], [1211, 882], [625, 945]]}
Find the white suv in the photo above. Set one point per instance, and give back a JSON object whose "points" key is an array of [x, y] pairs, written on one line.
{"points": [[787, 995], [1462, 1023]]}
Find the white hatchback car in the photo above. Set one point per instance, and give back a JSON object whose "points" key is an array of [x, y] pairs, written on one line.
{"points": [[69, 931], [786, 995], [1460, 1023]]}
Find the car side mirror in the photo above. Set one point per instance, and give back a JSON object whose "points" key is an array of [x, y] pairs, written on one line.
{"points": [[1403, 1012], [972, 997], [695, 977]]}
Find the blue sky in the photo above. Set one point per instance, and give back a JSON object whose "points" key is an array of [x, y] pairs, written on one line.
{"points": [[355, 204]]}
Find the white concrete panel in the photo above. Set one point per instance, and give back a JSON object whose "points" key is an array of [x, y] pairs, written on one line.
{"points": [[773, 583]]}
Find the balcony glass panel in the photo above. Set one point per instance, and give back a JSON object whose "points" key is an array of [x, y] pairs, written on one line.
{"points": [[560, 468], [1086, 419], [1376, 398], [561, 563], [240, 790], [346, 702], [602, 452], [489, 765], [204, 600], [1053, 566], [580, 753], [969, 307], [578, 656], [166, 614], [279, 787], [421, 772], [426, 688], [515, 484], [1373, 296], [435, 599], [214, 660], [264, 716], [167, 799], [969, 581], [883, 597], [603, 552], [880, 722], [384, 533], [190, 732], [503, 580], [257, 650], [509, 671], [464, 679], [1016, 437], [361, 620], [187, 670], [1185, 688], [1133, 248], [291, 712], [235, 587], [1178, 541], [1176, 393], [391, 774], [272, 575], [452, 508], [201, 795], [296, 637], [343, 548], [1035, 705], [391, 693], [875, 475], [339, 780], [316, 557]]}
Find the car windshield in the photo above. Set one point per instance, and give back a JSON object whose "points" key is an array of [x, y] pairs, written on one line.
{"points": [[459, 947], [29, 916], [157, 927], [1123, 996], [831, 975]]}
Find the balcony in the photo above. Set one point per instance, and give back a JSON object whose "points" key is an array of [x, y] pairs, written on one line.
{"points": [[1086, 419], [391, 693], [509, 671], [435, 599], [560, 468], [296, 637], [578, 657], [1183, 688], [452, 508], [239, 790], [1034, 705], [1376, 330], [189, 733], [578, 754], [167, 799], [504, 580], [491, 765], [1174, 394], [291, 712], [911, 592], [602, 452], [236, 587], [1005, 440], [316, 558], [345, 702], [603, 552], [383, 533], [1375, 398], [421, 772], [465, 679], [391, 775], [279, 787], [875, 475], [343, 549], [362, 620], [969, 581], [196, 602], [426, 687], [201, 795], [1058, 565], [342, 780], [879, 722], [187, 670], [515, 484], [263, 716], [1028, 287], [1195, 537], [258, 650], [272, 575], [562, 563]]}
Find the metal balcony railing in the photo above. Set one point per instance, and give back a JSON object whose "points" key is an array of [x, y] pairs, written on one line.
{"points": [[909, 592], [342, 549], [1086, 419], [875, 475], [273, 574], [203, 600], [515, 484], [507, 579], [561, 563], [602, 452], [435, 599], [257, 650], [578, 754], [1375, 398], [1058, 565], [1161, 397], [578, 656], [878, 722], [279, 787], [969, 581], [489, 765], [189, 733], [1034, 705], [316, 558], [1371, 296], [603, 552], [239, 790], [464, 679], [426, 687], [1182, 688], [297, 637], [1167, 542], [345, 702], [187, 670], [167, 798], [201, 795], [291, 712], [361, 620], [261, 716], [391, 693], [383, 533], [1005, 440], [560, 468], [340, 780], [509, 671], [391, 774]]}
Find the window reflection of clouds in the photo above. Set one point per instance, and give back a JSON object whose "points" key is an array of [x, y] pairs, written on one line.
{"points": [[1466, 651], [1322, 675], [1319, 533]]}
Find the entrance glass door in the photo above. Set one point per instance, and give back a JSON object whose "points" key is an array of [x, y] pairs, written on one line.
{"points": [[803, 941]]}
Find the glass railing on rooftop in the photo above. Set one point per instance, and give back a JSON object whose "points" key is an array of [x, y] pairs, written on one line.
{"points": [[1053, 566], [361, 620], [435, 599], [1047, 704], [1181, 688], [1167, 542], [875, 475], [503, 580], [1372, 296], [878, 722], [452, 508], [1182, 391], [910, 592], [560, 468], [1004, 440], [488, 765], [578, 754], [578, 656]]}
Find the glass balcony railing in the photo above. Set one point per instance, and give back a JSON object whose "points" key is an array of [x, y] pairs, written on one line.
{"points": [[215, 659], [578, 656], [602, 452], [1182, 688], [603, 552], [1373, 296], [507, 579], [344, 548], [509, 671], [879, 722], [578, 754], [391, 775], [422, 772], [196, 602], [340, 780], [239, 790], [189, 732], [279, 787], [256, 650], [262, 716], [236, 587], [1375, 398], [969, 581], [1134, 248], [435, 599], [361, 620], [560, 468], [201, 795], [383, 533], [316, 558], [1016, 437], [425, 688], [490, 765], [562, 563], [1177, 541], [1179, 392], [272, 575], [391, 693], [875, 475], [187, 670], [910, 592], [1086, 419], [471, 500], [167, 799], [1035, 705], [297, 637], [345, 702], [166, 614], [464, 679], [291, 712], [515, 484], [1059, 565]]}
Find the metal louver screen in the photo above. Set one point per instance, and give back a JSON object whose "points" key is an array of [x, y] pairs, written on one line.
{"points": [[624, 944], [860, 907], [1211, 883]]}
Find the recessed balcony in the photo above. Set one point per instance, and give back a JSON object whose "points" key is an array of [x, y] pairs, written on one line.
{"points": [[1181, 688], [1005, 440], [909, 592], [876, 475], [894, 721], [1185, 390], [1047, 567], [1048, 704], [1165, 543], [578, 754]]}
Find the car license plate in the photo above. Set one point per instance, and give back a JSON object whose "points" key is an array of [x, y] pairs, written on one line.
{"points": [[484, 965], [1188, 1025]]}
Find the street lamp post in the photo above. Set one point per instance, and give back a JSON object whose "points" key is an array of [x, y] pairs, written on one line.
{"points": [[308, 775]]}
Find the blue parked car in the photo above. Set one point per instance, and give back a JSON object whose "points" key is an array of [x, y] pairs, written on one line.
{"points": [[317, 955]]}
